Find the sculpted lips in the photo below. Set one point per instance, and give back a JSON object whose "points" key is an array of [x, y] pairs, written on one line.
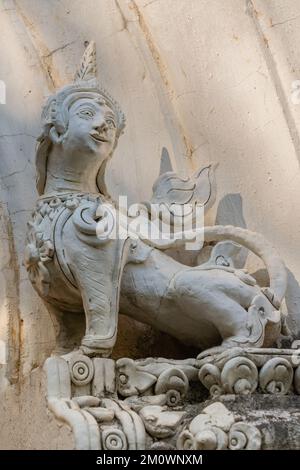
{"points": [[98, 137]]}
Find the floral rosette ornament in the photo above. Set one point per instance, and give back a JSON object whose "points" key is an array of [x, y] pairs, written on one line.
{"points": [[38, 253]]}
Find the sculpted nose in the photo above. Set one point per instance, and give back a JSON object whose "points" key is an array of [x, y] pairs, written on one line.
{"points": [[100, 126]]}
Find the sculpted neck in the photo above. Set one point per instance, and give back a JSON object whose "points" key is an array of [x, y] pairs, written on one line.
{"points": [[71, 172]]}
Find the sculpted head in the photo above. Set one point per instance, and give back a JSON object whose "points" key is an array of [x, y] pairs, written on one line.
{"points": [[92, 128], [81, 120]]}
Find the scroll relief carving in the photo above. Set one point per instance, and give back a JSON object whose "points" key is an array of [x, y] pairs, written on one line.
{"points": [[215, 429], [88, 395], [245, 371]]}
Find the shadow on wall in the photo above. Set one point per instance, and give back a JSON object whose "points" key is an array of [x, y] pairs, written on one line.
{"points": [[230, 212], [134, 340], [293, 304], [137, 340]]}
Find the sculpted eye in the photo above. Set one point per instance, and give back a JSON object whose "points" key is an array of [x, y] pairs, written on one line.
{"points": [[87, 113], [110, 122]]}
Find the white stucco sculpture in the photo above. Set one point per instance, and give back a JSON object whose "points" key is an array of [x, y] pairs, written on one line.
{"points": [[76, 266]]}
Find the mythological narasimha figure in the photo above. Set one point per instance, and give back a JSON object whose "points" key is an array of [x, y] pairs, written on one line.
{"points": [[76, 265]]}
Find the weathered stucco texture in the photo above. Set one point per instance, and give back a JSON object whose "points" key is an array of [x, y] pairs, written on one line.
{"points": [[209, 80]]}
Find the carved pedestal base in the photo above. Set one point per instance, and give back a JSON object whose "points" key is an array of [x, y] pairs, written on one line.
{"points": [[164, 404], [245, 371]]}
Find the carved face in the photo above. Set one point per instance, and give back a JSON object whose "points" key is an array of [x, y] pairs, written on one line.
{"points": [[92, 128]]}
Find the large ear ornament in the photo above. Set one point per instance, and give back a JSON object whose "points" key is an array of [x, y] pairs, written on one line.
{"points": [[54, 136]]}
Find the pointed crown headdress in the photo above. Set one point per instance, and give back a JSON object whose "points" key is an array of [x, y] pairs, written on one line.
{"points": [[55, 114]]}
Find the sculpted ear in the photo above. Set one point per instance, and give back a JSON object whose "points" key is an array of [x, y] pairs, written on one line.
{"points": [[44, 146], [54, 136]]}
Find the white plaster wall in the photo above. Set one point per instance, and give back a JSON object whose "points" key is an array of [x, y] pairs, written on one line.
{"points": [[210, 80]]}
